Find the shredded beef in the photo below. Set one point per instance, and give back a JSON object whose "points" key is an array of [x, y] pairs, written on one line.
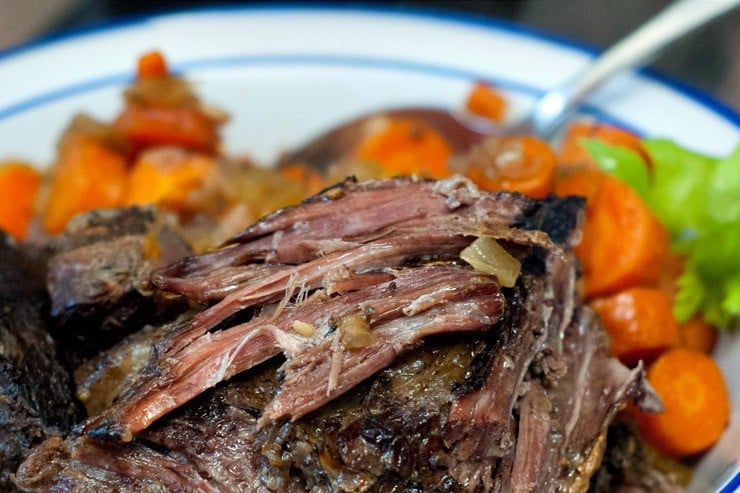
{"points": [[346, 347]]}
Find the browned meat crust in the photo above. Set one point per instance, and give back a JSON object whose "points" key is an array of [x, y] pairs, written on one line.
{"points": [[35, 392]]}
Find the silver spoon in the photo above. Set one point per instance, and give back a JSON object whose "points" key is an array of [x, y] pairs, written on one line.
{"points": [[549, 112], [676, 20]]}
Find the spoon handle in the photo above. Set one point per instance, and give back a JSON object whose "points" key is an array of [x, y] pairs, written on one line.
{"points": [[673, 22]]}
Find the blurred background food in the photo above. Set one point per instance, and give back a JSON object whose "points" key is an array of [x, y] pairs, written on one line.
{"points": [[708, 59]]}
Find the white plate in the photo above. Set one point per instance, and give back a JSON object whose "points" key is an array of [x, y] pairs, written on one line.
{"points": [[285, 73]]}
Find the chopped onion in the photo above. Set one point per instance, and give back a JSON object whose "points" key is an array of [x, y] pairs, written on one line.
{"points": [[486, 255], [303, 328], [355, 331]]}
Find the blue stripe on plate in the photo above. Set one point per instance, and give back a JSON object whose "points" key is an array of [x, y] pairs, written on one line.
{"points": [[64, 92], [297, 59], [731, 485], [686, 90]]}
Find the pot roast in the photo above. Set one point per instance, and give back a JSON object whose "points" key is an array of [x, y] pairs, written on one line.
{"points": [[351, 344]]}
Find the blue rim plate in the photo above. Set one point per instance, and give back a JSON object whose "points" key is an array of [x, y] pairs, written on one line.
{"points": [[287, 72]]}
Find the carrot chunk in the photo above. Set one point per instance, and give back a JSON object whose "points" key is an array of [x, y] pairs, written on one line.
{"points": [[623, 242], [88, 176], [405, 147], [309, 179], [586, 182], [695, 401], [19, 183], [640, 323], [148, 126], [484, 100], [152, 65], [573, 153], [697, 335], [167, 176], [521, 164]]}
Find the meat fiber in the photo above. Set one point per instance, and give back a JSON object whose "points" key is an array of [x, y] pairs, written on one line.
{"points": [[430, 221], [35, 392], [348, 348]]}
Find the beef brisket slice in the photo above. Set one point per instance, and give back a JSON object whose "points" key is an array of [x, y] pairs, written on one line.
{"points": [[35, 392]]}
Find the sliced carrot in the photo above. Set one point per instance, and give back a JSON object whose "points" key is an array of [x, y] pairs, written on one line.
{"points": [[573, 153], [405, 147], [521, 164], [697, 335], [484, 100], [695, 402], [311, 181], [152, 65], [167, 176], [88, 176], [586, 183], [640, 323], [19, 183], [148, 126], [623, 243]]}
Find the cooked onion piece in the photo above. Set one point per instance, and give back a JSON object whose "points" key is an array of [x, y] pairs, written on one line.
{"points": [[486, 255]]}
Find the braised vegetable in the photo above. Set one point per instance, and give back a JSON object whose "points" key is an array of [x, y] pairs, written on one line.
{"points": [[152, 65], [88, 175], [406, 147], [484, 100], [523, 164], [487, 255], [695, 400], [574, 152], [21, 182], [639, 322], [168, 176], [189, 128], [623, 242], [697, 335]]}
